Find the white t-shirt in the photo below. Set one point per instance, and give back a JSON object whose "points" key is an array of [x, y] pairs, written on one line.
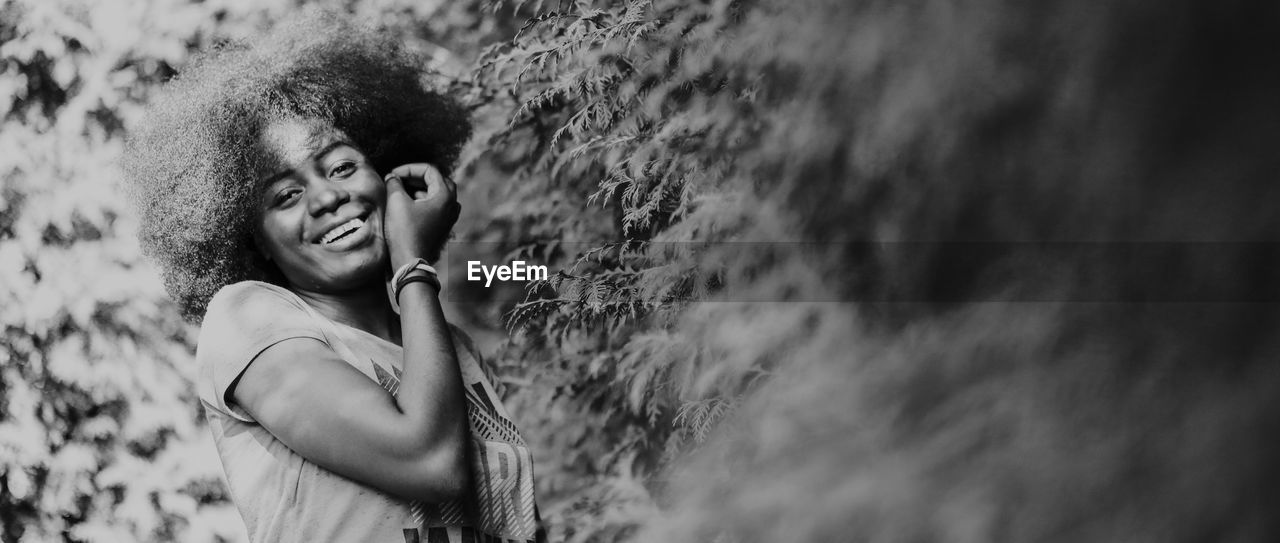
{"points": [[284, 497]]}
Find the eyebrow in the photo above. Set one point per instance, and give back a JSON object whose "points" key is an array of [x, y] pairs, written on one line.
{"points": [[321, 152]]}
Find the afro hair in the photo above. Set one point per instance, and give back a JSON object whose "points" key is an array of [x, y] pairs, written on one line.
{"points": [[192, 165]]}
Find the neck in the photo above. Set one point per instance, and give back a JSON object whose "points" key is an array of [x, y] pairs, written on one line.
{"points": [[366, 308]]}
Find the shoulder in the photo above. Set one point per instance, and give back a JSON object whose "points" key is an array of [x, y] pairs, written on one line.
{"points": [[243, 320], [249, 310], [250, 295]]}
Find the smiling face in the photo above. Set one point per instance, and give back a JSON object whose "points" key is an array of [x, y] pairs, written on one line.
{"points": [[321, 208]]}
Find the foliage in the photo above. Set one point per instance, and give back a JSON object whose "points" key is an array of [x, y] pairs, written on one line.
{"points": [[1050, 340], [617, 106], [99, 438], [820, 153]]}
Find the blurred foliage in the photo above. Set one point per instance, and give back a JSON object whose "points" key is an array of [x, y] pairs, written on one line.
{"points": [[99, 438]]}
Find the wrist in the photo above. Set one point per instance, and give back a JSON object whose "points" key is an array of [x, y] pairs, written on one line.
{"points": [[414, 271], [418, 283], [399, 260]]}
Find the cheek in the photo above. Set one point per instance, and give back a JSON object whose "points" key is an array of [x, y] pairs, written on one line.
{"points": [[273, 239], [374, 188]]}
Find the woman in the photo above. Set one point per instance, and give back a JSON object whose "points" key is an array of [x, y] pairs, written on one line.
{"points": [[280, 186]]}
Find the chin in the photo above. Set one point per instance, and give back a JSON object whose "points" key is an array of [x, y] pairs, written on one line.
{"points": [[351, 277]]}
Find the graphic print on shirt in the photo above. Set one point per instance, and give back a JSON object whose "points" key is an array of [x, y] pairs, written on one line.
{"points": [[502, 471]]}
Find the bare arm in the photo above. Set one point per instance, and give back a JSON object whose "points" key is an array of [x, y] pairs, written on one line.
{"points": [[331, 414]]}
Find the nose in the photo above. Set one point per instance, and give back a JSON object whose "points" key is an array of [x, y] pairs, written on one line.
{"points": [[326, 198]]}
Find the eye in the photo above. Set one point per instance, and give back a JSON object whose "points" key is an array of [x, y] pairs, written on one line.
{"points": [[285, 196], [343, 169]]}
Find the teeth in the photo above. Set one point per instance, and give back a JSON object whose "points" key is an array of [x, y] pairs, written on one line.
{"points": [[342, 229]]}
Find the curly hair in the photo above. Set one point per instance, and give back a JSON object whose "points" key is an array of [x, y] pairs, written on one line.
{"points": [[193, 164]]}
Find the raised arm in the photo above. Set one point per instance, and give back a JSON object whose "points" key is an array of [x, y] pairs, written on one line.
{"points": [[414, 445]]}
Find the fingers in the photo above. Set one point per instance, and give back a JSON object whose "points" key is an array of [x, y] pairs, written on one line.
{"points": [[432, 181], [421, 170], [417, 169], [395, 187]]}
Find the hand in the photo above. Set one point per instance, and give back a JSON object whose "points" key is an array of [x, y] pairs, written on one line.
{"points": [[422, 206]]}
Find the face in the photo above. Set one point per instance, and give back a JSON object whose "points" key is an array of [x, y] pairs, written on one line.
{"points": [[321, 208]]}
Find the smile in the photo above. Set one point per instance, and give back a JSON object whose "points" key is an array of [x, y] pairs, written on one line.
{"points": [[342, 231]]}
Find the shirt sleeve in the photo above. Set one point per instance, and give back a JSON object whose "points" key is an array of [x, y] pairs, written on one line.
{"points": [[242, 321]]}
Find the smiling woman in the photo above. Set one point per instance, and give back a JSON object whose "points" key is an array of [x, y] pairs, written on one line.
{"points": [[321, 222], [280, 185], [196, 164]]}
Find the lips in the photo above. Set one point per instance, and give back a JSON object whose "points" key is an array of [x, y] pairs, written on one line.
{"points": [[341, 230]]}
